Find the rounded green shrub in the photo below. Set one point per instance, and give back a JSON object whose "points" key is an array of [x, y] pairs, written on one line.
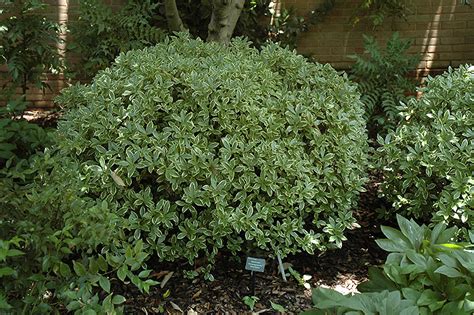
{"points": [[196, 147], [427, 162]]}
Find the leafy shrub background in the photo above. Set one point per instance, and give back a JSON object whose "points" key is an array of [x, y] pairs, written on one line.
{"points": [[427, 162], [100, 34], [425, 273], [383, 83], [196, 147]]}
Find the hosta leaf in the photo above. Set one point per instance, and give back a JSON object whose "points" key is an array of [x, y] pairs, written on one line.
{"points": [[428, 297], [412, 231], [397, 237], [449, 272]]}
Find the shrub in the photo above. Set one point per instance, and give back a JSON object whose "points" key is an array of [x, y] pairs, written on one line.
{"points": [[427, 162], [195, 147], [383, 82], [101, 34], [50, 258], [425, 273]]}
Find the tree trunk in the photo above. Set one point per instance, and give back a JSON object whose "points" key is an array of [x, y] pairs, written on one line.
{"points": [[225, 14], [172, 16]]}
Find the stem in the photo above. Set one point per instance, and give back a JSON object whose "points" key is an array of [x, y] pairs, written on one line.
{"points": [[172, 16], [225, 14]]}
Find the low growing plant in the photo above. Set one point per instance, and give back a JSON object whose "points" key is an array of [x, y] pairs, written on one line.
{"points": [[427, 162], [196, 147], [426, 272]]}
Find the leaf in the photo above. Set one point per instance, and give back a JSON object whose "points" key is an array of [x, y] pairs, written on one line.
{"points": [[277, 307], [122, 272], [411, 294], [117, 179], [436, 232], [389, 246], [378, 281], [79, 269], [411, 230], [6, 271], [73, 305], [64, 270], [166, 279], [104, 284], [14, 253], [449, 272], [396, 236], [176, 307], [118, 299], [428, 297]]}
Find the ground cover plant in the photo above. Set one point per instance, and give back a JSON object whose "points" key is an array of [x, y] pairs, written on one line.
{"points": [[206, 147], [427, 162], [426, 272]]}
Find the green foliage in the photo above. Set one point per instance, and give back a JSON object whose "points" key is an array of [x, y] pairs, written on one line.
{"points": [[101, 34], [277, 307], [202, 147], [427, 162], [376, 11], [286, 28], [28, 44], [425, 273], [6, 251], [250, 301], [18, 138], [28, 48], [61, 231], [383, 82]]}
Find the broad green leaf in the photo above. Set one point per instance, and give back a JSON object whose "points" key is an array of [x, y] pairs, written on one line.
{"points": [[79, 268], [122, 272], [118, 299], [104, 284], [449, 272]]}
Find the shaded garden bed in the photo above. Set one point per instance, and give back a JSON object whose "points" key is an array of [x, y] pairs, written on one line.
{"points": [[342, 269]]}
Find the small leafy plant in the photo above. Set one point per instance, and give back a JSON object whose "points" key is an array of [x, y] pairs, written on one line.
{"points": [[425, 273], [427, 162], [250, 301]]}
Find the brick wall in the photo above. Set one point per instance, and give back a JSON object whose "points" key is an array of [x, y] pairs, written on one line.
{"points": [[442, 31]]}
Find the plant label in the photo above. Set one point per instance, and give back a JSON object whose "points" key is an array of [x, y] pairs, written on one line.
{"points": [[255, 264]]}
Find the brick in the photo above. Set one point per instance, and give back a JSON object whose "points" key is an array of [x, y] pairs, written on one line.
{"points": [[451, 56], [453, 24], [453, 40], [463, 47]]}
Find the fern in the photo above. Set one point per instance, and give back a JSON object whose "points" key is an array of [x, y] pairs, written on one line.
{"points": [[383, 82], [100, 34]]}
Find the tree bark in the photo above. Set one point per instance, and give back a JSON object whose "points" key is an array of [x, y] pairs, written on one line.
{"points": [[172, 17], [225, 14]]}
